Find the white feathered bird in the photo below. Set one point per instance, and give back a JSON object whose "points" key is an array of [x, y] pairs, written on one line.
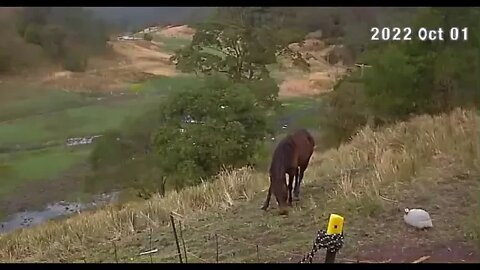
{"points": [[417, 218]]}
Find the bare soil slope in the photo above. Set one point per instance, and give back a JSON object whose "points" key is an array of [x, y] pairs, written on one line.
{"points": [[129, 61], [322, 76], [133, 61]]}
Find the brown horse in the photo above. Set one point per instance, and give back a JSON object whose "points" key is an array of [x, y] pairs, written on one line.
{"points": [[291, 156]]}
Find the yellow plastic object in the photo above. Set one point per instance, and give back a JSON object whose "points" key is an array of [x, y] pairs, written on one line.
{"points": [[335, 224]]}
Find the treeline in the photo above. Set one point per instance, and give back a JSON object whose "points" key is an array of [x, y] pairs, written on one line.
{"points": [[407, 78], [67, 36]]}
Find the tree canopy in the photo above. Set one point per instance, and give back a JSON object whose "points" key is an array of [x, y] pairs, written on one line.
{"points": [[239, 42], [207, 129]]}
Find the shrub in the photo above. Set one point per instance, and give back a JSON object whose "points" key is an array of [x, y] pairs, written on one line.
{"points": [[148, 37], [33, 34], [75, 61], [5, 61]]}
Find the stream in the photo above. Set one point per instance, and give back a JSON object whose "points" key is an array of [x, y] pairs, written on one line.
{"points": [[56, 210]]}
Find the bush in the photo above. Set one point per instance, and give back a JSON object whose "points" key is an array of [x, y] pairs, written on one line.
{"points": [[227, 130], [33, 34], [343, 113], [5, 61], [76, 62], [148, 37], [52, 41]]}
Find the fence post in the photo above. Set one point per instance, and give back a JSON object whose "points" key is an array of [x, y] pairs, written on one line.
{"points": [[335, 226], [183, 243], [176, 238], [216, 246]]}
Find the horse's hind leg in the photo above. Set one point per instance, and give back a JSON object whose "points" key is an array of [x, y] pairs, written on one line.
{"points": [[298, 181], [290, 187], [297, 185], [267, 201]]}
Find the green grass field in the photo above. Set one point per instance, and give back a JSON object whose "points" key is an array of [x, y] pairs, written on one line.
{"points": [[88, 120], [163, 85], [37, 165], [50, 100], [75, 115], [27, 127], [303, 110]]}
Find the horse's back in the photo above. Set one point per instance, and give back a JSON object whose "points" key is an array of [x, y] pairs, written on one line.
{"points": [[303, 134], [304, 143]]}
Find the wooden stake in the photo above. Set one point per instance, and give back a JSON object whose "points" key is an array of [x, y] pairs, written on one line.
{"points": [[150, 239], [115, 251], [183, 243], [421, 259], [216, 245], [176, 238]]}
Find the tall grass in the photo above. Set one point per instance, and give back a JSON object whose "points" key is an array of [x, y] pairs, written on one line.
{"points": [[383, 159], [386, 161]]}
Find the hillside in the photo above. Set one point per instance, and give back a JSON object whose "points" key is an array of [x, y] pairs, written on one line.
{"points": [[105, 138], [427, 162], [52, 105]]}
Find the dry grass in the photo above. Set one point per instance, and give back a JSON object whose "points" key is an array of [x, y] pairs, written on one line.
{"points": [[374, 165], [379, 164], [61, 239]]}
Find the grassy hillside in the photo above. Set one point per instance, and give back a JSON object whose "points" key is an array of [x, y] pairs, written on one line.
{"points": [[368, 180]]}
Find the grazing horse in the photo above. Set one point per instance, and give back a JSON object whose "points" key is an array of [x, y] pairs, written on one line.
{"points": [[291, 156]]}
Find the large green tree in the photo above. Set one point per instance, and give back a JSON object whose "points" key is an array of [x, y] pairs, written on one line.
{"points": [[204, 130], [241, 43]]}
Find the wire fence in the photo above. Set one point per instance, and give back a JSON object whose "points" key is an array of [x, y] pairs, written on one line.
{"points": [[254, 251]]}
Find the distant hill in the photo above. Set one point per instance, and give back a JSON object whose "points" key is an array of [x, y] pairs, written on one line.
{"points": [[133, 17]]}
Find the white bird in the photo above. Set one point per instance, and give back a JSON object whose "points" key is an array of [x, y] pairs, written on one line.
{"points": [[417, 218]]}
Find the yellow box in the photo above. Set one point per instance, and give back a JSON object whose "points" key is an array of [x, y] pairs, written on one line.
{"points": [[335, 224]]}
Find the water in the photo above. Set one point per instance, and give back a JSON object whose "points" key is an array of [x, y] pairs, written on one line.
{"points": [[53, 211]]}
